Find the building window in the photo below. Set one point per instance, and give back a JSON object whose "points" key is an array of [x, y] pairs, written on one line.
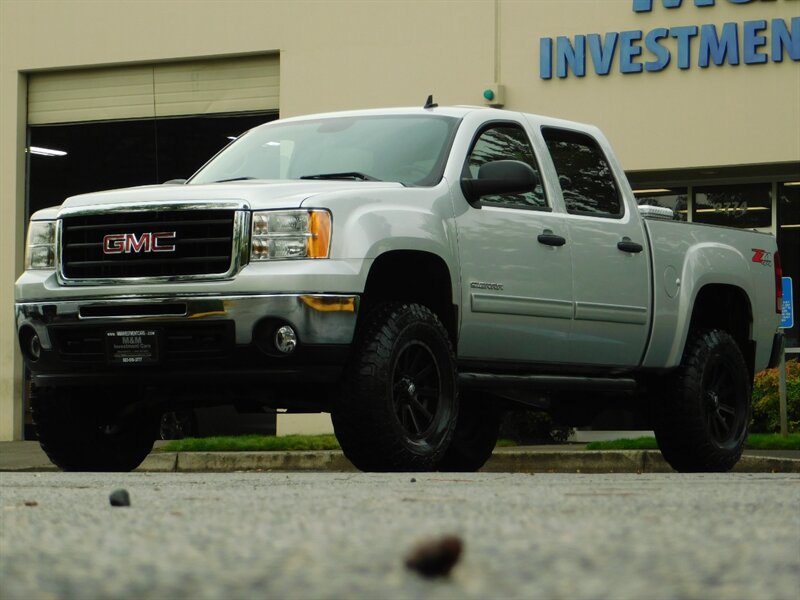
{"points": [[747, 206], [676, 199], [789, 247]]}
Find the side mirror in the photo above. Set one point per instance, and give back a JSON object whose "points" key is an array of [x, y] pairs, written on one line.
{"points": [[499, 177], [174, 182]]}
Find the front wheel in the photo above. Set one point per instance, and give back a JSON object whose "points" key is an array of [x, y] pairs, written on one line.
{"points": [[701, 419], [475, 435], [399, 405], [82, 429]]}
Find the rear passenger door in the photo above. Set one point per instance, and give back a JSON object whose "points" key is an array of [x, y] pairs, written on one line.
{"points": [[610, 257], [515, 263]]}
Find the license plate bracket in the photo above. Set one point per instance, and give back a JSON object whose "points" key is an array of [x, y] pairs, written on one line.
{"points": [[132, 346]]}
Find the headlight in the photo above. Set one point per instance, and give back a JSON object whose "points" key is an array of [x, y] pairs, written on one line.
{"points": [[40, 250], [284, 234]]}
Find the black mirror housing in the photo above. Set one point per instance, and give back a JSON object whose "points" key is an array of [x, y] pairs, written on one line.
{"points": [[499, 177]]}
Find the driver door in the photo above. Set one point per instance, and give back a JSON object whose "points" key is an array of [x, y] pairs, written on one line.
{"points": [[516, 269]]}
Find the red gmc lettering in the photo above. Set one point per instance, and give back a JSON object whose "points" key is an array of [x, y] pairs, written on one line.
{"points": [[163, 235], [114, 243], [119, 243]]}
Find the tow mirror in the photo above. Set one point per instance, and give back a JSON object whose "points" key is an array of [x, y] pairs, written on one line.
{"points": [[499, 177]]}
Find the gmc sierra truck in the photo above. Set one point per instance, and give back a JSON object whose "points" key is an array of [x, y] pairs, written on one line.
{"points": [[414, 272]]}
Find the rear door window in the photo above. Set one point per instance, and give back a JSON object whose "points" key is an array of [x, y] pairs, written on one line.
{"points": [[585, 176]]}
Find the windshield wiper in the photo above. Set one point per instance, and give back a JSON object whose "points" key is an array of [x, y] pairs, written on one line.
{"points": [[233, 179], [343, 175]]}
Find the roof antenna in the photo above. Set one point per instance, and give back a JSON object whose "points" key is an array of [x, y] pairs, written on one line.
{"points": [[429, 103]]}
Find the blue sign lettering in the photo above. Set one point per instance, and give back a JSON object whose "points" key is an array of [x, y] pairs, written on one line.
{"points": [[717, 48], [568, 56], [783, 40], [647, 5], [660, 52], [752, 43], [684, 36], [602, 55], [546, 58], [628, 51]]}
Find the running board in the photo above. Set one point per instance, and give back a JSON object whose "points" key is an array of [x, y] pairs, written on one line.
{"points": [[552, 383]]}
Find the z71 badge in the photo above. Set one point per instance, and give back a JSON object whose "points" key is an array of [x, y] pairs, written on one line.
{"points": [[762, 257]]}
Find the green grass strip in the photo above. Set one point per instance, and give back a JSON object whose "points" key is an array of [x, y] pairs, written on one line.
{"points": [[755, 441], [263, 443], [253, 443], [503, 443], [773, 441]]}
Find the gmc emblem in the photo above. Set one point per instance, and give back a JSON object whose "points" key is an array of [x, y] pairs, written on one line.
{"points": [[125, 243]]}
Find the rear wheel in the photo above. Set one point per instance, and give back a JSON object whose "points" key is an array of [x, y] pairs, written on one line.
{"points": [[399, 405], [702, 418], [81, 432]]}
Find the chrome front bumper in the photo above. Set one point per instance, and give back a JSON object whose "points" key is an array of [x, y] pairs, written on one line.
{"points": [[317, 318]]}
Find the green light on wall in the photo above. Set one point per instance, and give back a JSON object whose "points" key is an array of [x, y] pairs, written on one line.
{"points": [[493, 95]]}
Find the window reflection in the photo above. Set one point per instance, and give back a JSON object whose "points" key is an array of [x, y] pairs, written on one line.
{"points": [[676, 199], [587, 182], [734, 205], [789, 246], [506, 142]]}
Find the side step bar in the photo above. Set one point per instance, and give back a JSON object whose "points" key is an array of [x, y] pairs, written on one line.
{"points": [[552, 383]]}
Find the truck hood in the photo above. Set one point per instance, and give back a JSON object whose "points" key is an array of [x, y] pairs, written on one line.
{"points": [[255, 194]]}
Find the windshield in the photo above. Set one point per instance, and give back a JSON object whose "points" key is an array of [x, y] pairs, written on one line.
{"points": [[409, 149]]}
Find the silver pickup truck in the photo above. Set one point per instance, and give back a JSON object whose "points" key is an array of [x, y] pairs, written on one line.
{"points": [[414, 272]]}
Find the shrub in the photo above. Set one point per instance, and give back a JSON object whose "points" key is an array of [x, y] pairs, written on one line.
{"points": [[532, 427], [766, 410]]}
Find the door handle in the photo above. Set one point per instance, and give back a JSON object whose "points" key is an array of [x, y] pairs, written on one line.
{"points": [[548, 238], [626, 245]]}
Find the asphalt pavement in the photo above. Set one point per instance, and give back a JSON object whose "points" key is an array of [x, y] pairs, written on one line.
{"points": [[563, 458], [305, 536]]}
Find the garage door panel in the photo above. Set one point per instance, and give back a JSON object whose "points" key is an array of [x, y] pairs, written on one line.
{"points": [[158, 90], [99, 94]]}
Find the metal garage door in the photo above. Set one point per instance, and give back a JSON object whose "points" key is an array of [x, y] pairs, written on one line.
{"points": [[229, 85]]}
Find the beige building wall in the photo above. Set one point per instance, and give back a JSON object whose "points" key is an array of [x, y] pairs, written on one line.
{"points": [[337, 54]]}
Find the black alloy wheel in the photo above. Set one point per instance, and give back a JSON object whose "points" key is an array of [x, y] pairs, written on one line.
{"points": [[726, 405], [416, 390], [399, 403], [702, 414], [83, 429], [476, 433]]}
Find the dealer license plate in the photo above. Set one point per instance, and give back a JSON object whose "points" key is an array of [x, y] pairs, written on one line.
{"points": [[132, 346]]}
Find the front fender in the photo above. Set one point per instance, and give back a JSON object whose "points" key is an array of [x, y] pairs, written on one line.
{"points": [[369, 225]]}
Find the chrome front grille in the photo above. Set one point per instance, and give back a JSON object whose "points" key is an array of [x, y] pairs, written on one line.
{"points": [[116, 246]]}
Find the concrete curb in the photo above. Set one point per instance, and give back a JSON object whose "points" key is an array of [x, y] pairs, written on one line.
{"points": [[505, 461], [28, 456]]}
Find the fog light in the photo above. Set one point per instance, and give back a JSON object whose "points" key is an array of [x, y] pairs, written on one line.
{"points": [[35, 347], [30, 343], [285, 339]]}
